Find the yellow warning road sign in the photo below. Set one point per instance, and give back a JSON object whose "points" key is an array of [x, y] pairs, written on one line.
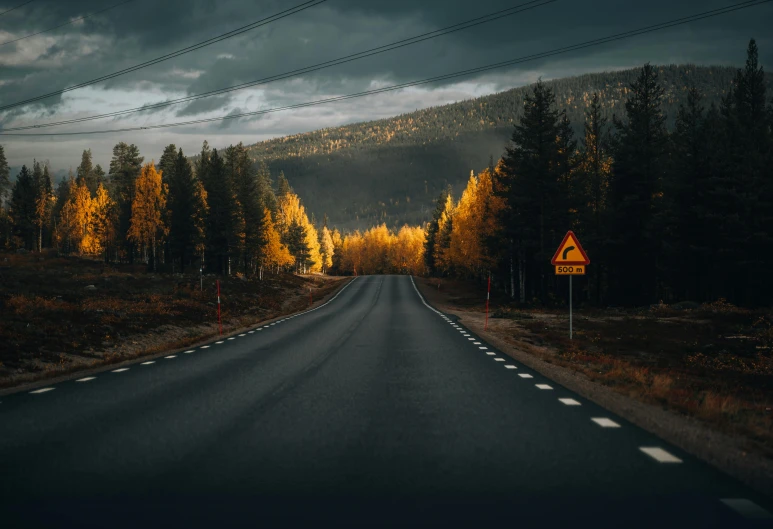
{"points": [[570, 252]]}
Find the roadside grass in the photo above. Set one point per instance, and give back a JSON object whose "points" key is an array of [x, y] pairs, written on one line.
{"points": [[53, 325]]}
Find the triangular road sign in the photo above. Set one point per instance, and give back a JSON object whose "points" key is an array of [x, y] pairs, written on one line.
{"points": [[570, 252]]}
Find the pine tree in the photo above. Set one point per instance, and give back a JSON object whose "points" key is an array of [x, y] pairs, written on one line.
{"points": [[635, 188], [22, 210], [591, 186], [85, 174], [125, 167], [181, 210]]}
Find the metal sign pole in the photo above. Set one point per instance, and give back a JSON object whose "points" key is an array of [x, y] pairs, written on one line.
{"points": [[570, 307]]}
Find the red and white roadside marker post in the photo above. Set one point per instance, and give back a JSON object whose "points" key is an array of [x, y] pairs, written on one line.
{"points": [[488, 296], [570, 260], [219, 322]]}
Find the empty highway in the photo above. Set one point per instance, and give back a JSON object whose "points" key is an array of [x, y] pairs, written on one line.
{"points": [[371, 410]]}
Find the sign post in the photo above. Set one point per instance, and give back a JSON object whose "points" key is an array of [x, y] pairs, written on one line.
{"points": [[570, 260], [219, 322], [488, 295]]}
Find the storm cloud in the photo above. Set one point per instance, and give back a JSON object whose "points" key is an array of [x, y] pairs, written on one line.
{"points": [[142, 30]]}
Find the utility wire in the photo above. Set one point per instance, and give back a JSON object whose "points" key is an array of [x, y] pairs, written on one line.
{"points": [[66, 23], [557, 51], [273, 18], [308, 69], [17, 7]]}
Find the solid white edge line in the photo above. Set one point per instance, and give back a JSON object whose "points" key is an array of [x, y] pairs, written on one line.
{"points": [[659, 455]]}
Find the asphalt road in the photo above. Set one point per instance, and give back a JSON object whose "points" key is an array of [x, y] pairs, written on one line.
{"points": [[372, 410]]}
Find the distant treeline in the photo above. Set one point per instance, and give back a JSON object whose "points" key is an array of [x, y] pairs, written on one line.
{"points": [[407, 160], [220, 213], [664, 216]]}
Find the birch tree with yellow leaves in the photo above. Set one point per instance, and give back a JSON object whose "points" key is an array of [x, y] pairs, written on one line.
{"points": [[147, 225]]}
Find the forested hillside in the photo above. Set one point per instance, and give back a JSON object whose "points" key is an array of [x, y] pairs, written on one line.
{"points": [[391, 170]]}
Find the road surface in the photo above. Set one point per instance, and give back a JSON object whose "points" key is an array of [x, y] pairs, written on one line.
{"points": [[372, 410]]}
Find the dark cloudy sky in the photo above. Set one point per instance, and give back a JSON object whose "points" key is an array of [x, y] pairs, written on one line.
{"points": [[145, 29]]}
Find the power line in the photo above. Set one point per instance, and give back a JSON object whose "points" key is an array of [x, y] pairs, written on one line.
{"points": [[273, 18], [17, 7], [308, 69], [557, 51], [66, 23]]}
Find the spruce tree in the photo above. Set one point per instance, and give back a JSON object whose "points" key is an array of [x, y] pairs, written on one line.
{"points": [[22, 209], [125, 167], [432, 232], [84, 173], [5, 178], [640, 161], [181, 204]]}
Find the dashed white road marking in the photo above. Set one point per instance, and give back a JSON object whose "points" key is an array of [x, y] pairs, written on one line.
{"points": [[189, 352], [120, 370], [510, 366], [570, 402], [659, 455], [525, 375], [465, 334], [221, 341], [471, 339], [499, 360], [273, 323], [231, 338], [258, 329], [747, 508], [170, 357], [490, 353], [148, 363], [250, 332], [482, 348], [42, 390], [604, 422], [476, 343], [543, 386], [242, 335], [85, 379], [204, 347]]}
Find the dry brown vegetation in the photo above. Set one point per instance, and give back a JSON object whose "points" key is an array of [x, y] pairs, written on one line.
{"points": [[53, 324], [712, 361]]}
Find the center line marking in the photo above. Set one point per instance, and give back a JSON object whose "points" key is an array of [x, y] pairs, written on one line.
{"points": [[570, 402], [543, 386], [170, 356], [525, 375], [120, 370], [148, 363], [510, 366], [85, 379], [659, 455], [604, 422], [42, 390]]}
